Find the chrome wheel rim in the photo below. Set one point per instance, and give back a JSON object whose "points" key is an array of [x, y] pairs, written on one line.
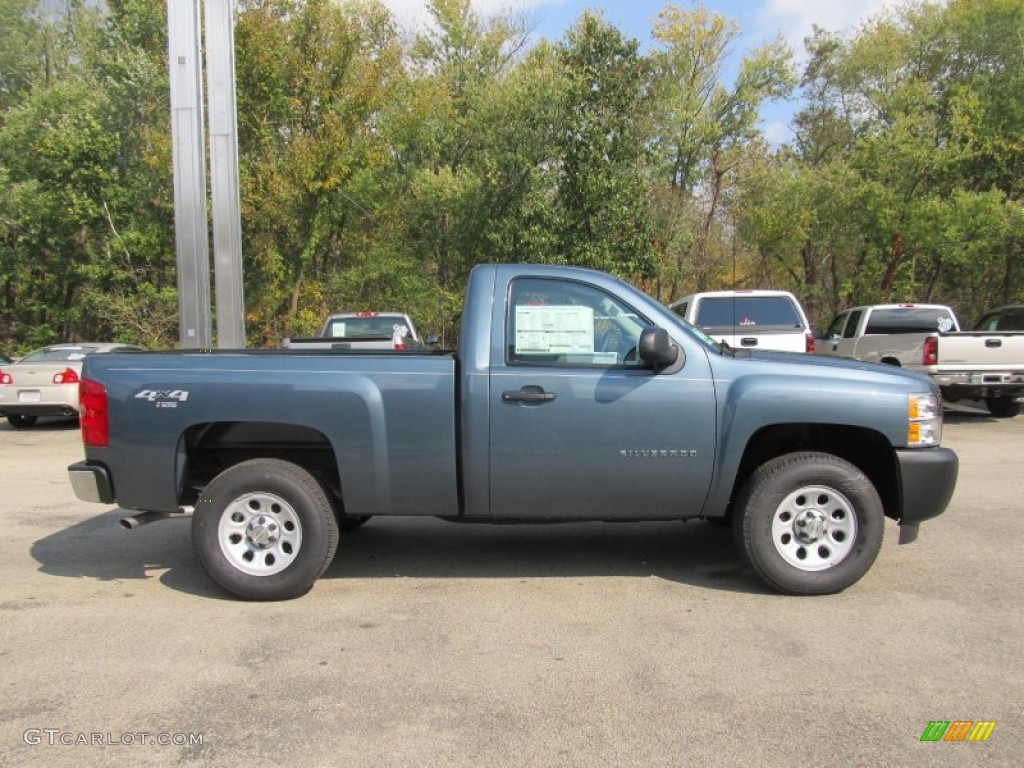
{"points": [[814, 528], [260, 534]]}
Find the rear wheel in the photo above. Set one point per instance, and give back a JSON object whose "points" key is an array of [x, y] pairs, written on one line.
{"points": [[1002, 407], [21, 420], [265, 530], [809, 523]]}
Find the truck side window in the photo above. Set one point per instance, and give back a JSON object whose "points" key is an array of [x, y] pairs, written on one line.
{"points": [[852, 323], [835, 328], [567, 323]]}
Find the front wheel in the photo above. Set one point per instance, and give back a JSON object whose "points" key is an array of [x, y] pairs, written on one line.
{"points": [[264, 530], [1002, 407], [809, 523]]}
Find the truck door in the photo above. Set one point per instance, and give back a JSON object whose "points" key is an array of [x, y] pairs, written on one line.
{"points": [[842, 334], [579, 427]]}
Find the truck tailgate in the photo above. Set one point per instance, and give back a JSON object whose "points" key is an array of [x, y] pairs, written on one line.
{"points": [[976, 350]]}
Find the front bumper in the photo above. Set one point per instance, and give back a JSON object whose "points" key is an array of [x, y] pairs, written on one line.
{"points": [[91, 482], [927, 481]]}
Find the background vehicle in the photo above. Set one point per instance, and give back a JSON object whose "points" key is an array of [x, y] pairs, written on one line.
{"points": [[363, 330], [572, 396], [760, 319], [983, 365], [45, 382], [1010, 318]]}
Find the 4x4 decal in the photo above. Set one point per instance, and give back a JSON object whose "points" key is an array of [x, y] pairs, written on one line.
{"points": [[164, 398]]}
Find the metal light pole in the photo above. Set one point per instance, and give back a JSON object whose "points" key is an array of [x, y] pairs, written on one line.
{"points": [[191, 233], [184, 38], [227, 216]]}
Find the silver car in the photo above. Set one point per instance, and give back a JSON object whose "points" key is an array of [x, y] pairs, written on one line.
{"points": [[45, 382]]}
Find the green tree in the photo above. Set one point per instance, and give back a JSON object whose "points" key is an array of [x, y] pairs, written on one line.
{"points": [[703, 134], [602, 202]]}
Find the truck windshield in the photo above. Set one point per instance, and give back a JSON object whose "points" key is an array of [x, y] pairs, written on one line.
{"points": [[910, 320], [747, 312], [362, 327]]}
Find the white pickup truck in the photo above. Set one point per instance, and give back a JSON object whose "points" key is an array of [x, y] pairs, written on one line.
{"points": [[749, 319], [971, 365]]}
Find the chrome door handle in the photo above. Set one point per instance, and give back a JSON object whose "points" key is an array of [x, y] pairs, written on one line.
{"points": [[530, 394]]}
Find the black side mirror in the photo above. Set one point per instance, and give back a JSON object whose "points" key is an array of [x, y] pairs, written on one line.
{"points": [[656, 347]]}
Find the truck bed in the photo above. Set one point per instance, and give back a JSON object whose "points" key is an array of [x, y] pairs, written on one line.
{"points": [[386, 418]]}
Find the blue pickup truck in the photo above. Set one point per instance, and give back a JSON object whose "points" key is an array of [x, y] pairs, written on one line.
{"points": [[572, 396]]}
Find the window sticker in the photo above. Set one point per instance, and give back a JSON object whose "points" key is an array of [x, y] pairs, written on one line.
{"points": [[554, 330], [945, 324], [338, 329]]}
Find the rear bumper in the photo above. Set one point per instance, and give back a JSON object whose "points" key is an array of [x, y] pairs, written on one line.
{"points": [[91, 482], [958, 385], [40, 409], [43, 400], [927, 481]]}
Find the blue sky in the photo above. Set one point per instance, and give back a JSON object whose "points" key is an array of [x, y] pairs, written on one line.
{"points": [[760, 21]]}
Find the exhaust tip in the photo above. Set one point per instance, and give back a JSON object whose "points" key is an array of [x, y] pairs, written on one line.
{"points": [[131, 522]]}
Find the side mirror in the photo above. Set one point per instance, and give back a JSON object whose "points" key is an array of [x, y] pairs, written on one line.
{"points": [[656, 347], [431, 339]]}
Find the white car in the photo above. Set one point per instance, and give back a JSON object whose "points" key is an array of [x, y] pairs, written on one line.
{"points": [[751, 319], [45, 382]]}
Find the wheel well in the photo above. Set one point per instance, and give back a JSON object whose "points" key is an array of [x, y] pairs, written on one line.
{"points": [[869, 451], [891, 361], [206, 450]]}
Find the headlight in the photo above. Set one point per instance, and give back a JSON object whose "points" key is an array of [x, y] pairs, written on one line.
{"points": [[924, 420]]}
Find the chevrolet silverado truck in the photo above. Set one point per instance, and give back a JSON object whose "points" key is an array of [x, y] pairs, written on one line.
{"points": [[967, 365], [572, 396]]}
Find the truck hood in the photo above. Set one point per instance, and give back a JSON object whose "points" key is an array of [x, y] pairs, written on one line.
{"points": [[839, 367]]}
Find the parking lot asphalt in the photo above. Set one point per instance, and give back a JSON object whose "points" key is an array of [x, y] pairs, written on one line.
{"points": [[432, 644]]}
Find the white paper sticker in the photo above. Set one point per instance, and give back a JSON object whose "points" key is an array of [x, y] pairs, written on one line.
{"points": [[554, 330]]}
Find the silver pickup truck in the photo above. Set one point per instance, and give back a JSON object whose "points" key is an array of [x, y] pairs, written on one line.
{"points": [[967, 365]]}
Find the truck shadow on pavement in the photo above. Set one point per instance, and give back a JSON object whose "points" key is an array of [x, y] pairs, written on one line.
{"points": [[99, 548], [966, 413], [695, 553]]}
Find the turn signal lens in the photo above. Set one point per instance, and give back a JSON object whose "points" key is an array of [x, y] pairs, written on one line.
{"points": [[924, 420]]}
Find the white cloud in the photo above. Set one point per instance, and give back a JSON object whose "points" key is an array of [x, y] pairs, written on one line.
{"points": [[795, 18], [413, 13], [776, 133]]}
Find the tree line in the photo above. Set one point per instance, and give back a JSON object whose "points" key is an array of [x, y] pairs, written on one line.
{"points": [[378, 166]]}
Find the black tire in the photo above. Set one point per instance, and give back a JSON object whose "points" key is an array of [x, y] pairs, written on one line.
{"points": [[265, 530], [1002, 407], [809, 523], [346, 523], [21, 420]]}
